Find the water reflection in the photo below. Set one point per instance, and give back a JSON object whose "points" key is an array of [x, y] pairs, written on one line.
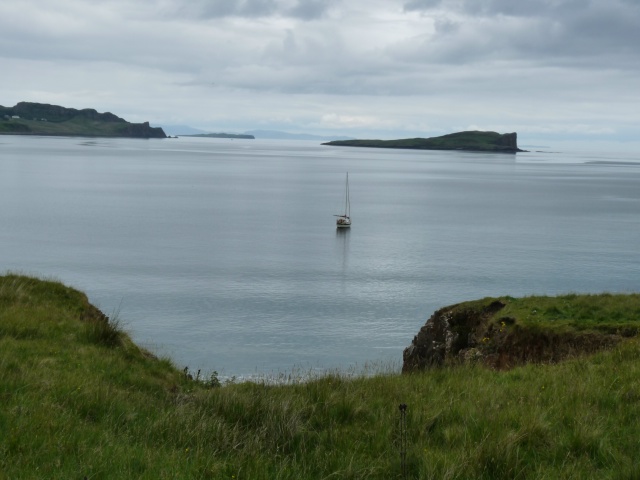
{"points": [[342, 246]]}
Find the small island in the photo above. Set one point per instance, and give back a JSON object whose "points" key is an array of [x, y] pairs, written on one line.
{"points": [[241, 136], [27, 118], [471, 141]]}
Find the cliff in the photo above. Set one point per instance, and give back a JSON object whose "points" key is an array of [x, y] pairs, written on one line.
{"points": [[506, 332], [472, 141], [26, 118]]}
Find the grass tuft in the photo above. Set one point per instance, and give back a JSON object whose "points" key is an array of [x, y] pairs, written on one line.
{"points": [[106, 331]]}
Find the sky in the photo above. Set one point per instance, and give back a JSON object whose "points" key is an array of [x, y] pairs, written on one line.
{"points": [[550, 70]]}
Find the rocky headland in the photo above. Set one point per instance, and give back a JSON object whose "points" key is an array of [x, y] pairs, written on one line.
{"points": [[27, 118], [504, 333]]}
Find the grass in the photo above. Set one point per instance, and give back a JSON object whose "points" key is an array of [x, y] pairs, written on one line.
{"points": [[75, 403], [77, 126], [604, 312]]}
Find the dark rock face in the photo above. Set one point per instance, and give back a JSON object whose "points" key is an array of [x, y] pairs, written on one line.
{"points": [[142, 130], [446, 334], [509, 141]]}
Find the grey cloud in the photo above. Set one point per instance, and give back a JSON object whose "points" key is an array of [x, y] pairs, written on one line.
{"points": [[497, 7], [300, 9], [414, 5], [545, 30], [311, 9], [225, 8]]}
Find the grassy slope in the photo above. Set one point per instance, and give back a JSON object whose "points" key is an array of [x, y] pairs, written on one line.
{"points": [[78, 398], [604, 312], [77, 126], [472, 141]]}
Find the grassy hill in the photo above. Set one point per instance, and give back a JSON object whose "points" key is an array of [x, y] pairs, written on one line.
{"points": [[79, 399], [27, 118], [473, 141]]}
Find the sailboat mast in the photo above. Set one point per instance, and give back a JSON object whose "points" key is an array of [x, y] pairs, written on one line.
{"points": [[347, 204], [344, 220]]}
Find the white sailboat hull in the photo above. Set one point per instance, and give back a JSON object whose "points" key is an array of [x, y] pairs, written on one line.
{"points": [[343, 222]]}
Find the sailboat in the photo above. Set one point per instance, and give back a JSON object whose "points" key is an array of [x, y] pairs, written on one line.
{"points": [[344, 221]]}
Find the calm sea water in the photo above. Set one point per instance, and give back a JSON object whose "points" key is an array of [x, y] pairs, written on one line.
{"points": [[223, 254]]}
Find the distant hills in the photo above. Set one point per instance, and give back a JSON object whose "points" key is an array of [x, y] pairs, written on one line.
{"points": [[241, 136], [277, 135], [26, 118], [472, 141]]}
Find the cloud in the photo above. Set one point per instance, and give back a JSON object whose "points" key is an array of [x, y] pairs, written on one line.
{"points": [[334, 120], [399, 65], [225, 8], [297, 9], [543, 30], [311, 9]]}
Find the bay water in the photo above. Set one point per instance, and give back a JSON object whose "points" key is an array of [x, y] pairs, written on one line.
{"points": [[223, 254]]}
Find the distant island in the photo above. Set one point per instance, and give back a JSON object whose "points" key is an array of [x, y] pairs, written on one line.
{"points": [[187, 131], [278, 135], [222, 135], [472, 141], [28, 118]]}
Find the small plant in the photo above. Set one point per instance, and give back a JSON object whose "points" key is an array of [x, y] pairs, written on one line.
{"points": [[212, 382]]}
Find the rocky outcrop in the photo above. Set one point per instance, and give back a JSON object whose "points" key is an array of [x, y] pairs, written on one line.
{"points": [[142, 130], [479, 334], [450, 332], [509, 141]]}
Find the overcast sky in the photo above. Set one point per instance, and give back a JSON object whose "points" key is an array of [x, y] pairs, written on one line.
{"points": [[547, 69]]}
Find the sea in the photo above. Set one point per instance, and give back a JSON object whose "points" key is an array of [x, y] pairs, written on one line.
{"points": [[223, 255]]}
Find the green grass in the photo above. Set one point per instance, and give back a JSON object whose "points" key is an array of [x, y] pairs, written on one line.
{"points": [[77, 126], [75, 402], [604, 312], [469, 141]]}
